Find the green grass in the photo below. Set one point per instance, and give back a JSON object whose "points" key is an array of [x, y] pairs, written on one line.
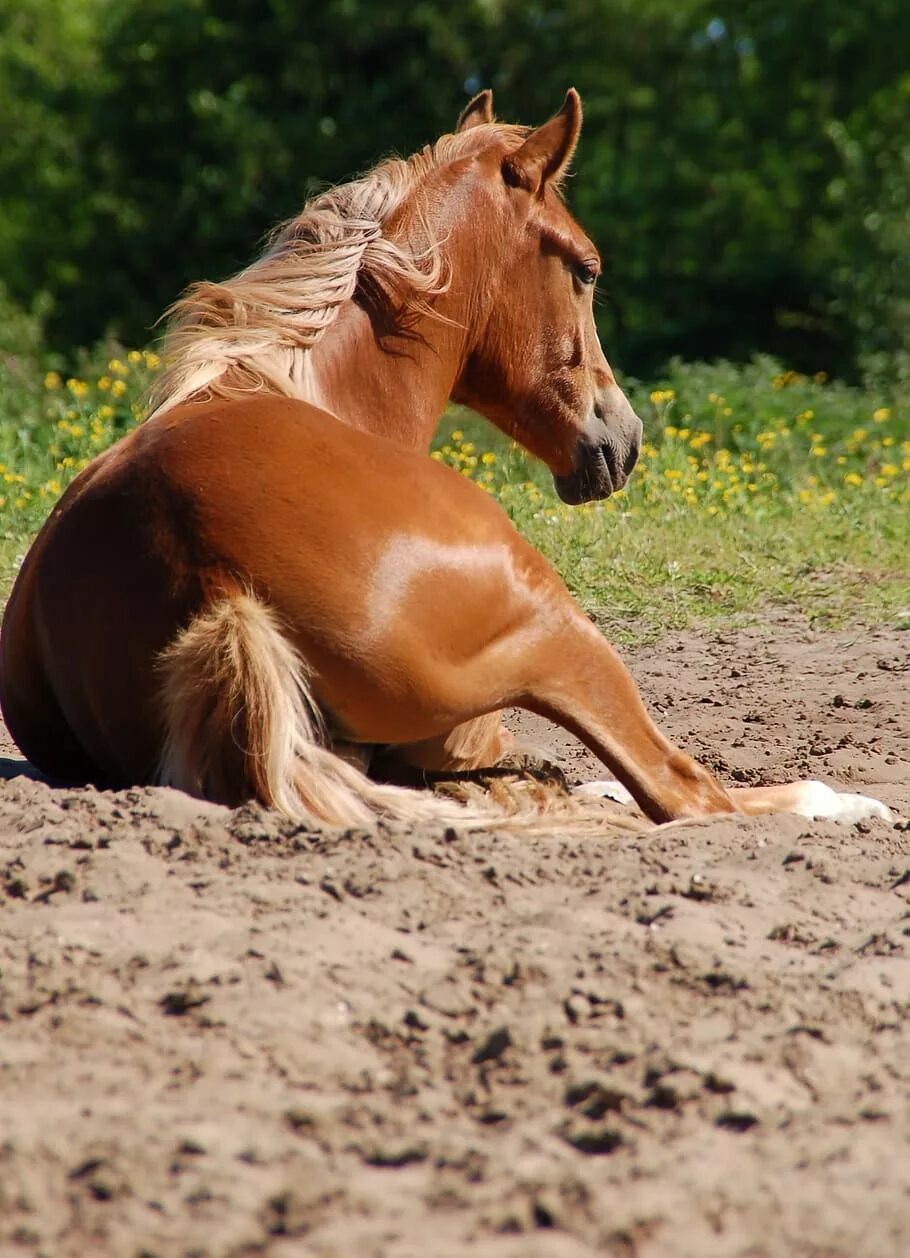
{"points": [[756, 488]]}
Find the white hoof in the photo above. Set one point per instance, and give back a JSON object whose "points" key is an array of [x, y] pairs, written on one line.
{"points": [[605, 790], [821, 802]]}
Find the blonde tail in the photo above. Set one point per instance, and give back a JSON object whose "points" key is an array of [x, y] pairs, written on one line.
{"points": [[241, 723]]}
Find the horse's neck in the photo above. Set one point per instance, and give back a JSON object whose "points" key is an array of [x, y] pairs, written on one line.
{"points": [[396, 387]]}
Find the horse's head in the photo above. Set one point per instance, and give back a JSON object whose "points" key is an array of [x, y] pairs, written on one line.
{"points": [[534, 365]]}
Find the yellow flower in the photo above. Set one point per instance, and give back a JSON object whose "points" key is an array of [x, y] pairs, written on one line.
{"points": [[672, 474], [881, 416], [134, 357], [853, 478], [52, 380], [104, 383], [660, 396], [457, 435], [151, 360], [78, 388], [488, 458], [118, 388], [116, 367], [819, 451]]}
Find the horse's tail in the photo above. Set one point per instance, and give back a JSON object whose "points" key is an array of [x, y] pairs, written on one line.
{"points": [[241, 723]]}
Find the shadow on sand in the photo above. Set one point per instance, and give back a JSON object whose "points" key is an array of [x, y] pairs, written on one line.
{"points": [[18, 767]]}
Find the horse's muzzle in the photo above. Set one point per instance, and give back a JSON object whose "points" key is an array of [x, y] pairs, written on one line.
{"points": [[599, 470]]}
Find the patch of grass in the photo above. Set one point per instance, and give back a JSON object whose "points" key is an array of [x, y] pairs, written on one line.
{"points": [[756, 487]]}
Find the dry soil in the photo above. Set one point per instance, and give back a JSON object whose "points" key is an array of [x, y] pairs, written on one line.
{"points": [[222, 1034]]}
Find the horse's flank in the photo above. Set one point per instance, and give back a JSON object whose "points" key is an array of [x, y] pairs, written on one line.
{"points": [[253, 332]]}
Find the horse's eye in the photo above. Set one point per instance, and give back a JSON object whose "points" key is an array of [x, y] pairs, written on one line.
{"points": [[585, 272]]}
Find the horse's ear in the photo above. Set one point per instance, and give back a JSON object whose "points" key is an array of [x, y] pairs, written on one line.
{"points": [[476, 111], [547, 151]]}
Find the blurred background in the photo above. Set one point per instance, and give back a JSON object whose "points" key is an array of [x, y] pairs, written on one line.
{"points": [[745, 166]]}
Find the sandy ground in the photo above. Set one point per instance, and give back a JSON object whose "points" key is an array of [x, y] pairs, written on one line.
{"points": [[221, 1034]]}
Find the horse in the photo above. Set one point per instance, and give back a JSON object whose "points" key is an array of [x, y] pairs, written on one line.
{"points": [[270, 571]]}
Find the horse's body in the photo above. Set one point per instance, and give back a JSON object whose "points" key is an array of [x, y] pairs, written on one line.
{"points": [[271, 566]]}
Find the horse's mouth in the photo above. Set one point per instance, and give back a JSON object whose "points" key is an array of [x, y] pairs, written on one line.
{"points": [[598, 473]]}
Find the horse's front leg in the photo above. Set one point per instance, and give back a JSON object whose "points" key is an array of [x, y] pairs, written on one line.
{"points": [[578, 680], [584, 685]]}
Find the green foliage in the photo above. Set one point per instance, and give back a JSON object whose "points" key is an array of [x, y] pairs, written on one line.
{"points": [[744, 165], [872, 195]]}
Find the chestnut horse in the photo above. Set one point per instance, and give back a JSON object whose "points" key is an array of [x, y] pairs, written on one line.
{"points": [[270, 569]]}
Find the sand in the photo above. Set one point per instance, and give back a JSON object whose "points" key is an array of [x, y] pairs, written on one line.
{"points": [[223, 1034]]}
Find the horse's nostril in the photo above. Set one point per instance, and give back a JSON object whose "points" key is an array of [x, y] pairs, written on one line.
{"points": [[598, 411]]}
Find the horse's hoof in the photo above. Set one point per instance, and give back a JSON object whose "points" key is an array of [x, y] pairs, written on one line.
{"points": [[822, 803]]}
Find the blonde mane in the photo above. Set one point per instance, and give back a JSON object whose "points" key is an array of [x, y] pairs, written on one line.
{"points": [[253, 332]]}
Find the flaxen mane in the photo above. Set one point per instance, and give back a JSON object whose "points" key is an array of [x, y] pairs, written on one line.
{"points": [[252, 332]]}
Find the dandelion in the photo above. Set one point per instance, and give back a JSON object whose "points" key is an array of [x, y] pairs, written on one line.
{"points": [[52, 380], [882, 415]]}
